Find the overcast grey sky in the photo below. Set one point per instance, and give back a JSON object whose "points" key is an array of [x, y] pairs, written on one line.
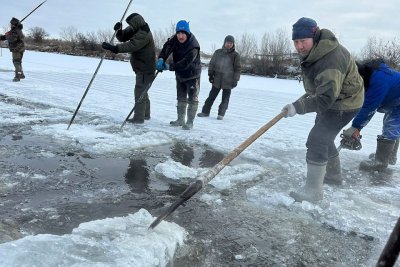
{"points": [[353, 21]]}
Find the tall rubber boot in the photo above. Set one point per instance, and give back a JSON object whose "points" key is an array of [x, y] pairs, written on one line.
{"points": [[16, 77], [181, 111], [313, 190], [384, 149], [191, 114], [333, 171], [393, 155], [147, 113]]}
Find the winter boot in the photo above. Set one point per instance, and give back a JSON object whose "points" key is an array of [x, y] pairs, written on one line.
{"points": [[220, 117], [313, 190], [202, 114], [135, 120], [384, 149], [393, 155], [22, 75], [16, 77], [191, 114], [181, 111], [333, 171], [147, 112]]}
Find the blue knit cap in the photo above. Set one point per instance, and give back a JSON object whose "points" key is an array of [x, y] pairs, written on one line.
{"points": [[183, 26], [304, 28]]}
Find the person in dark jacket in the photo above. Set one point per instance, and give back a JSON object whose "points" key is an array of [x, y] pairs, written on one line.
{"points": [[334, 90], [16, 44], [185, 50], [223, 73], [137, 40], [382, 94]]}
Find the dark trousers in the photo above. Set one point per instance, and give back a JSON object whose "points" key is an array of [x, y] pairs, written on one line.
{"points": [[226, 94], [188, 91], [142, 108], [321, 139], [17, 60]]}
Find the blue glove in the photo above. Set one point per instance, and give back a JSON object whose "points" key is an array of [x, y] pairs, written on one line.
{"points": [[160, 64], [166, 66]]}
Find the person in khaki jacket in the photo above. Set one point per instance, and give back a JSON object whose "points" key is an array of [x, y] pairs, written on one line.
{"points": [[16, 44], [223, 73], [334, 90], [137, 40]]}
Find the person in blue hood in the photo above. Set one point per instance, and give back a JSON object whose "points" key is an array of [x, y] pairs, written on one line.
{"points": [[382, 94]]}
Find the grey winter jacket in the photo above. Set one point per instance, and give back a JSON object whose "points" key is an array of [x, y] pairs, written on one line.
{"points": [[224, 68], [330, 76]]}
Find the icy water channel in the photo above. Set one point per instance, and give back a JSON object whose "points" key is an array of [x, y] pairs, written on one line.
{"points": [[67, 187]]}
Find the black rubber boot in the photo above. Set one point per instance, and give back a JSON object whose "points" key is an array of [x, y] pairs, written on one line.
{"points": [[16, 77], [393, 155], [380, 162]]}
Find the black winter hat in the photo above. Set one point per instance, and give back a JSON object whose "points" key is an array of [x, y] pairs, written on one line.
{"points": [[14, 21], [304, 28], [229, 38]]}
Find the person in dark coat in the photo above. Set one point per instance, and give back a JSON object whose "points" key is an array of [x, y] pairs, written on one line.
{"points": [[223, 73], [16, 44], [185, 50], [382, 94], [334, 91], [137, 40]]}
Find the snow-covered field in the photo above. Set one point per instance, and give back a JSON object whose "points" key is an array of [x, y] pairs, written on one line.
{"points": [[58, 81]]}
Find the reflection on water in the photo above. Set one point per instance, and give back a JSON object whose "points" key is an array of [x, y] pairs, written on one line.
{"points": [[137, 175], [180, 152], [195, 156], [210, 157], [140, 175]]}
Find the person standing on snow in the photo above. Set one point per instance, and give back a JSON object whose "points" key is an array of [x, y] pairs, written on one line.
{"points": [[223, 73], [382, 94], [185, 51], [16, 44], [334, 90], [137, 40]]}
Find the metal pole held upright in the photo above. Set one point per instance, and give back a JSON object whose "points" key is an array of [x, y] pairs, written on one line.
{"points": [[95, 73]]}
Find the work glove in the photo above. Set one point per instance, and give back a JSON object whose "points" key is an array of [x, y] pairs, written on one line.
{"points": [[351, 139], [117, 26], [290, 110], [234, 83], [211, 79], [108, 46], [161, 65]]}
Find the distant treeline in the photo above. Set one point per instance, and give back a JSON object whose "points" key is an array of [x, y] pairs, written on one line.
{"points": [[272, 56]]}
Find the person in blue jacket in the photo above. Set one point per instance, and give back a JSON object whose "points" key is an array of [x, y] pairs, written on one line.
{"points": [[382, 94], [185, 50]]}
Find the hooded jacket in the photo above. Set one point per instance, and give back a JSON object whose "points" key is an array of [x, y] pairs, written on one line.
{"points": [[224, 68], [330, 78], [15, 38], [382, 95], [186, 57], [138, 41]]}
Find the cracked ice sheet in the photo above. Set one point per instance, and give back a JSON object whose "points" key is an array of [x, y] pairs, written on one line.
{"points": [[120, 241]]}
